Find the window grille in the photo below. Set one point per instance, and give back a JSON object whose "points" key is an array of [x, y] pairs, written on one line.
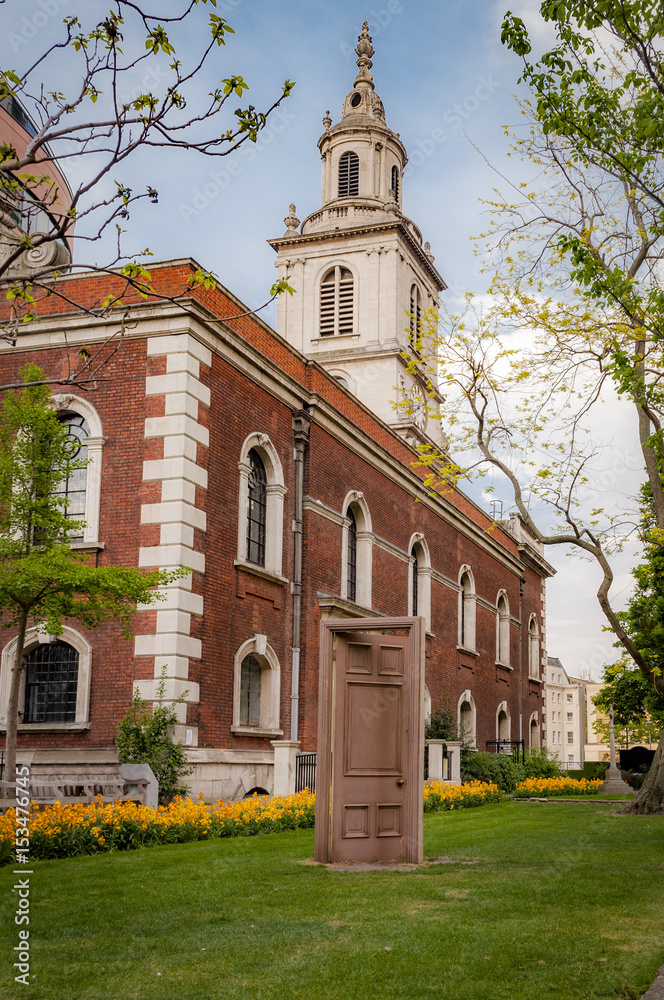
{"points": [[352, 556], [395, 183], [250, 691], [50, 683], [72, 489], [349, 175], [257, 510], [415, 569], [415, 315], [336, 302]]}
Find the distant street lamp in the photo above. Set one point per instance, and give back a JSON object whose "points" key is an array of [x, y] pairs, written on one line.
{"points": [[649, 726]]}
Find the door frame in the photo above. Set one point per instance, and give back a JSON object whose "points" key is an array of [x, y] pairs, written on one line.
{"points": [[414, 764]]}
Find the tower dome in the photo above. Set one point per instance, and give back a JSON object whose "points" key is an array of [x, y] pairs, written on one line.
{"points": [[363, 101]]}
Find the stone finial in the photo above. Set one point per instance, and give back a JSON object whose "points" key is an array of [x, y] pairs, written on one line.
{"points": [[427, 252], [291, 220], [364, 50], [327, 121]]}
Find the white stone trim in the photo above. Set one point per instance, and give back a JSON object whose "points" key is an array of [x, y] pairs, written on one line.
{"points": [[34, 637], [364, 548], [504, 707], [67, 402], [177, 515], [467, 610], [270, 687], [503, 654], [534, 665], [424, 574], [275, 493], [471, 734]]}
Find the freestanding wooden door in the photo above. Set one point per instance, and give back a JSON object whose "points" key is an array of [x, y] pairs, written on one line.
{"points": [[370, 754]]}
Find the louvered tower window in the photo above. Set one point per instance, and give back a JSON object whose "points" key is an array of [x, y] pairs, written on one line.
{"points": [[395, 182], [352, 555], [415, 315], [336, 302], [415, 570], [257, 510], [51, 679], [349, 175]]}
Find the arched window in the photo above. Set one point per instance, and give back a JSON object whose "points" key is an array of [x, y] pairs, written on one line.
{"points": [[534, 730], [467, 718], [503, 632], [534, 648], [261, 507], [415, 315], [256, 689], [82, 488], [73, 488], [357, 550], [55, 686], [503, 722], [51, 678], [467, 609], [349, 175], [419, 584], [351, 583], [336, 302], [256, 509], [414, 571], [395, 183]]}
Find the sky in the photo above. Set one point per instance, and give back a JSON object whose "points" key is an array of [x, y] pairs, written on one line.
{"points": [[448, 88]]}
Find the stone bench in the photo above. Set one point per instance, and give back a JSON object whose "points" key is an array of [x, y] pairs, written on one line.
{"points": [[69, 791]]}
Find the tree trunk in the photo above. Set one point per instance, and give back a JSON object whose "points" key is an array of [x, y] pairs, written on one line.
{"points": [[12, 706], [650, 797]]}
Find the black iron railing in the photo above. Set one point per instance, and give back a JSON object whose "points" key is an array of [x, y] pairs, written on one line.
{"points": [[305, 772], [514, 747]]}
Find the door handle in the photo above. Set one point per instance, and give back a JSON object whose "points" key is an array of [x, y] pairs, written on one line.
{"points": [[400, 781]]}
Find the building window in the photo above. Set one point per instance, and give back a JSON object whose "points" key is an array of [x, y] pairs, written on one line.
{"points": [[51, 678], [261, 506], [503, 631], [415, 315], [256, 689], [336, 302], [534, 731], [414, 573], [570, 737], [569, 697], [466, 609], [351, 583], [72, 489], [81, 490], [349, 175], [395, 183], [250, 691], [570, 759], [256, 509], [356, 550], [55, 686], [570, 717], [559, 697], [467, 718], [534, 649]]}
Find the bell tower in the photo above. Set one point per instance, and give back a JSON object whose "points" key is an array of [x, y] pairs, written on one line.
{"points": [[362, 276]]}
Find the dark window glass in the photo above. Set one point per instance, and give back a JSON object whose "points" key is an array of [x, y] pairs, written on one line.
{"points": [[250, 691], [349, 175], [50, 683], [257, 509], [73, 487], [465, 591], [352, 555], [395, 182], [415, 573]]}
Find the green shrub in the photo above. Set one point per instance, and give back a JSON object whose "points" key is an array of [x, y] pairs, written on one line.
{"points": [[143, 738], [540, 763], [507, 771]]}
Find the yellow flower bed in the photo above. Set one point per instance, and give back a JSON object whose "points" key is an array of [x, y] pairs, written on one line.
{"points": [[66, 831], [557, 786], [439, 796]]}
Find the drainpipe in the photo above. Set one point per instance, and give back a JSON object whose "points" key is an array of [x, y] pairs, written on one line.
{"points": [[521, 586], [301, 425]]}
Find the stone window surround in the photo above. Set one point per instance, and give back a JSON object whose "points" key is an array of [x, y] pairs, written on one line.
{"points": [[68, 403], [355, 499], [503, 655], [467, 611], [270, 688], [504, 708], [274, 516], [35, 638], [534, 648], [324, 268], [424, 574], [467, 698]]}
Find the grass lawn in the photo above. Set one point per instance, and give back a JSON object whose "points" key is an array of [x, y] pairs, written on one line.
{"points": [[564, 901]]}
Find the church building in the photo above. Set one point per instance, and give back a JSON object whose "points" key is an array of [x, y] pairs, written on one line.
{"points": [[276, 466]]}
